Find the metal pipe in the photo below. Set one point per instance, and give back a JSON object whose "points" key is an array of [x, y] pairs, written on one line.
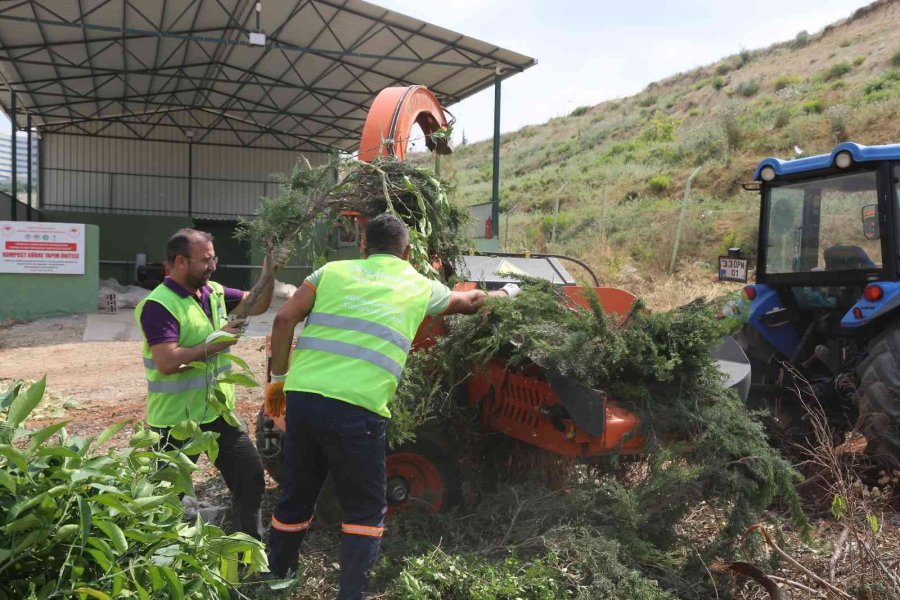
{"points": [[495, 184], [684, 203], [28, 126], [15, 174], [191, 176]]}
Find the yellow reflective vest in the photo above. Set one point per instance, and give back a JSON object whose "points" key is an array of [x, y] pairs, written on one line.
{"points": [[175, 398], [357, 337]]}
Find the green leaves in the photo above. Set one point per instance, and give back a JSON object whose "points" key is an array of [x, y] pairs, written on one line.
{"points": [[109, 526], [23, 404]]}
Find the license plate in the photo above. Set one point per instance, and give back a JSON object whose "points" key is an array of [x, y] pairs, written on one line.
{"points": [[732, 269]]}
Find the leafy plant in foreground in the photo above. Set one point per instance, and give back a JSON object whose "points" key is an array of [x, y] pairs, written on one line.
{"points": [[79, 523]]}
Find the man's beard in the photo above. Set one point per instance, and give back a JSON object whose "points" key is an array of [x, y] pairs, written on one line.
{"points": [[198, 282]]}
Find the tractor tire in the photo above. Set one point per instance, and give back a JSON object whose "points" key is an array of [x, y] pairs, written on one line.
{"points": [[879, 397]]}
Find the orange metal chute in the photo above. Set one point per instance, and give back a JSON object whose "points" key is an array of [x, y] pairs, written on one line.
{"points": [[390, 120]]}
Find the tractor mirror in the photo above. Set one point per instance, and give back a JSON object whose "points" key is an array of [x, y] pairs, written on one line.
{"points": [[870, 221]]}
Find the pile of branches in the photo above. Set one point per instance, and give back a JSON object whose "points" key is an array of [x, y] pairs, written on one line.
{"points": [[310, 195], [701, 443]]}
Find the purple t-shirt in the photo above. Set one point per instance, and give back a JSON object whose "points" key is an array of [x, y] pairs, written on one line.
{"points": [[160, 326]]}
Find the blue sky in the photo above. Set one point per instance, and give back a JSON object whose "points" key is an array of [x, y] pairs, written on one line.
{"points": [[594, 50]]}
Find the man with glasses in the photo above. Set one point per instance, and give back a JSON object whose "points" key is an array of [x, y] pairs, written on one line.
{"points": [[176, 319]]}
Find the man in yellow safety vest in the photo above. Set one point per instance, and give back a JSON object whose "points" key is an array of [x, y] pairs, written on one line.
{"points": [[361, 317]]}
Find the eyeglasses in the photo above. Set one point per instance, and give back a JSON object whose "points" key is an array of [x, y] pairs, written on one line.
{"points": [[212, 260]]}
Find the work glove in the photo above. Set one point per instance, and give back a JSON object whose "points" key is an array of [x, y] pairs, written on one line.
{"points": [[512, 290], [275, 399]]}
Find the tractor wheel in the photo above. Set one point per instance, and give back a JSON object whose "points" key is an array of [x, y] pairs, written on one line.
{"points": [[421, 476], [268, 445], [879, 396]]}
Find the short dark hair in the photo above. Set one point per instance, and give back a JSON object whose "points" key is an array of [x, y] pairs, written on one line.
{"points": [[180, 243], [386, 234]]}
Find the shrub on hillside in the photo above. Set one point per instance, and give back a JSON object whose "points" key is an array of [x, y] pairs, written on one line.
{"points": [[730, 126], [835, 71], [859, 60], [895, 59], [581, 110], [883, 87], [782, 116], [647, 101], [813, 107], [723, 69], [661, 128], [748, 89], [718, 83], [659, 183], [801, 40], [783, 81]]}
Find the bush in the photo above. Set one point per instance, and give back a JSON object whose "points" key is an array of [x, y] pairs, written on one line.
{"points": [[835, 71], [732, 128], [859, 60], [745, 56], [647, 101], [581, 110], [813, 107], [718, 83], [801, 40], [782, 116], [895, 59], [883, 87], [783, 81], [748, 89], [723, 69], [661, 128], [659, 183]]}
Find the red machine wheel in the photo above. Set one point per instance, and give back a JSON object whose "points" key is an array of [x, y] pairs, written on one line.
{"points": [[419, 476]]}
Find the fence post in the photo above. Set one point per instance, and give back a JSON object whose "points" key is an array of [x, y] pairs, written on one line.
{"points": [[603, 220], [684, 203], [556, 212]]}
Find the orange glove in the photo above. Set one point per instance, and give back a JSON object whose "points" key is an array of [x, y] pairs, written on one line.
{"points": [[275, 399]]}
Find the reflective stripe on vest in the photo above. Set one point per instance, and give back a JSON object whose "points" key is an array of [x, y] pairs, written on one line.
{"points": [[352, 351], [358, 335]]}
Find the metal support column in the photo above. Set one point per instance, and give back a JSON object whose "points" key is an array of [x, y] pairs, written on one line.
{"points": [[28, 184], [15, 174], [191, 175], [495, 185]]}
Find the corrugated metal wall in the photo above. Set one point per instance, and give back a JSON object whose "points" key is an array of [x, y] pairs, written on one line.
{"points": [[111, 175]]}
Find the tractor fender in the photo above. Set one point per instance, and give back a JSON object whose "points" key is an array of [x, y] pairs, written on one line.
{"points": [[869, 310], [784, 337]]}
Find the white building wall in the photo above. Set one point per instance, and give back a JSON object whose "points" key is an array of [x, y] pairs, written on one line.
{"points": [[111, 175]]}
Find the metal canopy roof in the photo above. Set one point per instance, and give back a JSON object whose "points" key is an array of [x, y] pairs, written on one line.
{"points": [[176, 70]]}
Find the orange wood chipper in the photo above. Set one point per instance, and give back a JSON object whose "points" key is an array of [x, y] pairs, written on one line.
{"points": [[527, 403]]}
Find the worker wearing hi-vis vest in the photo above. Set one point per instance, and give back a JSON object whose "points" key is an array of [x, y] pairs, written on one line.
{"points": [[361, 317], [176, 319]]}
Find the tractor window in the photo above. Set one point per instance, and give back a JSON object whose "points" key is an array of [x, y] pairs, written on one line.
{"points": [[819, 225]]}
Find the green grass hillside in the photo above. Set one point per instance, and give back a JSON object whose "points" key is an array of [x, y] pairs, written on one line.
{"points": [[812, 92]]}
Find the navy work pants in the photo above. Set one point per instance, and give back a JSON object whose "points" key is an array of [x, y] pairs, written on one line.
{"points": [[240, 466], [325, 436]]}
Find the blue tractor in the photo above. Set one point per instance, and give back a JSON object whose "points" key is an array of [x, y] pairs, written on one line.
{"points": [[825, 308]]}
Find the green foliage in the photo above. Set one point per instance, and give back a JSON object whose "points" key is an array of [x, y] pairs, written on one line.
{"points": [[659, 183], [436, 227], [859, 60], [895, 59], [801, 40], [734, 133], [835, 71], [660, 128], [723, 69], [883, 88], [783, 81], [109, 525], [701, 442], [748, 89], [581, 110], [815, 106], [647, 101], [744, 57], [783, 116], [718, 83]]}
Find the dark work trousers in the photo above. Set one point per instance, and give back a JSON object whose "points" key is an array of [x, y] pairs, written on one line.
{"points": [[325, 436], [240, 466]]}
